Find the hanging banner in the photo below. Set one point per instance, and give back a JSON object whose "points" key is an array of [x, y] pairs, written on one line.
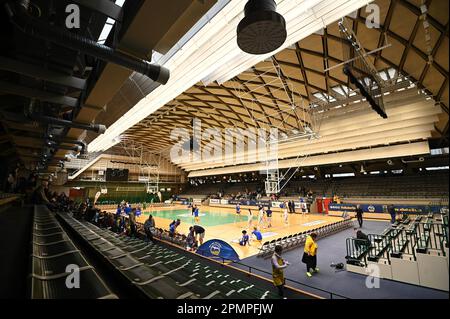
{"points": [[218, 249]]}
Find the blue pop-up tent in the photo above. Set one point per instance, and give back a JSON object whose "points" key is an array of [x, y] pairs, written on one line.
{"points": [[218, 249]]}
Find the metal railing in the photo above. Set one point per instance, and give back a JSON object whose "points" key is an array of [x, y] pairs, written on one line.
{"points": [[380, 245], [403, 244], [357, 250], [431, 236]]}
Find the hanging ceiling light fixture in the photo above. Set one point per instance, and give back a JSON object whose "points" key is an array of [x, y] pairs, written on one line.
{"points": [[263, 30]]}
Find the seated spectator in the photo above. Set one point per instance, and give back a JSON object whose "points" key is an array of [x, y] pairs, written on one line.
{"points": [[149, 227], [362, 239], [191, 243], [118, 210], [173, 227]]}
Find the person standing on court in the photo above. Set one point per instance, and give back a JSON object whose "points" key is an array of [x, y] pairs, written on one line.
{"points": [[278, 266], [196, 215], [238, 212], [250, 219], [303, 207], [359, 215], [310, 255], [269, 217], [261, 222], [285, 213]]}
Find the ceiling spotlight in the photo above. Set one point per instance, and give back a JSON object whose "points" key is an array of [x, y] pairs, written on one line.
{"points": [[263, 30]]}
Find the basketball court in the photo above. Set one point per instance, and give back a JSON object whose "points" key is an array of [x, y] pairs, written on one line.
{"points": [[225, 224], [334, 110]]}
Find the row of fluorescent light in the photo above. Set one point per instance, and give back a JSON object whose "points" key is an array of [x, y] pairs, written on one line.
{"points": [[207, 55]]}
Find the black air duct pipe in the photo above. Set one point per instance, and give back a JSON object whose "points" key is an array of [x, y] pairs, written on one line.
{"points": [[98, 128], [54, 145], [70, 141], [39, 29]]}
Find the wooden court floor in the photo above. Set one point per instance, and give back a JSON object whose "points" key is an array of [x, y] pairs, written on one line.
{"points": [[232, 232]]}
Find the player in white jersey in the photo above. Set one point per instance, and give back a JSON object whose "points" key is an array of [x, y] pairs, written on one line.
{"points": [[285, 213], [261, 218]]}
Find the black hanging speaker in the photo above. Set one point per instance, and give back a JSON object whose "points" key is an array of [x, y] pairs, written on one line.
{"points": [[263, 30]]}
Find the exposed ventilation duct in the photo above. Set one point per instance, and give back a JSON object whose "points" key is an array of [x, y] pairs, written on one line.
{"points": [[53, 144], [83, 145], [263, 30], [98, 128], [36, 28]]}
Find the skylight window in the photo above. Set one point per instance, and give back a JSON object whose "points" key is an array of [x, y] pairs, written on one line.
{"points": [[108, 25]]}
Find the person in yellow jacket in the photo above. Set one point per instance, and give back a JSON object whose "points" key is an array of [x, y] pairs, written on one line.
{"points": [[278, 265], [310, 255]]}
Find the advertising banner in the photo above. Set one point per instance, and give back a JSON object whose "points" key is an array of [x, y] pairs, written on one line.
{"points": [[214, 201], [377, 208], [416, 209], [247, 202]]}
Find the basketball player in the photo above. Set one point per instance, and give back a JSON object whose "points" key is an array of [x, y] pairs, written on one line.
{"points": [[238, 213], [285, 213], [250, 219], [303, 207], [196, 215], [269, 217], [261, 217]]}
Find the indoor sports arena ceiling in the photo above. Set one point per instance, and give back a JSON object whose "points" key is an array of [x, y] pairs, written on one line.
{"points": [[49, 83], [413, 54], [301, 87]]}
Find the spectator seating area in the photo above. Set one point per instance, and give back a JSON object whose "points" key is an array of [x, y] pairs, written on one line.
{"points": [[6, 198], [160, 271], [296, 240], [406, 245], [52, 252], [427, 186], [420, 186]]}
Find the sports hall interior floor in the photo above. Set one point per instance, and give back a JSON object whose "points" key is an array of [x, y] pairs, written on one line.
{"points": [[222, 223], [332, 249]]}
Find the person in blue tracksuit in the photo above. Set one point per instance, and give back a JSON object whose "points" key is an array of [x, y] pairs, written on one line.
{"points": [[257, 234]]}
